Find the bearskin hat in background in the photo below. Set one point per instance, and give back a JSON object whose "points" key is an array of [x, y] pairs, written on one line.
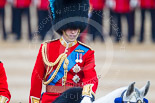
{"points": [[69, 14]]}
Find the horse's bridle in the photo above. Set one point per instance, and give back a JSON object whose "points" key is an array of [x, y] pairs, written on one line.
{"points": [[139, 101]]}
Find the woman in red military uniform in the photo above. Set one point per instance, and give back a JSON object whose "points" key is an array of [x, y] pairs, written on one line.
{"points": [[147, 5], [44, 20], [2, 15], [4, 92], [65, 63]]}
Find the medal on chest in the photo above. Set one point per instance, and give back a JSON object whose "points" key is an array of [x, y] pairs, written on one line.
{"points": [[79, 58]]}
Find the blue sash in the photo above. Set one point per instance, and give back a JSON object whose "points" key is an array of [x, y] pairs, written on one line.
{"points": [[71, 58]]}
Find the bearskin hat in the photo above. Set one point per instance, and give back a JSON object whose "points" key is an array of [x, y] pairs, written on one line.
{"points": [[69, 14]]}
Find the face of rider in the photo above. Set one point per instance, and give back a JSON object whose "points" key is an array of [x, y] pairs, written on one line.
{"points": [[70, 35]]}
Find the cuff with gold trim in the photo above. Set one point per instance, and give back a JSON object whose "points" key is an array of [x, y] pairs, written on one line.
{"points": [[35, 99], [87, 91], [3, 99]]}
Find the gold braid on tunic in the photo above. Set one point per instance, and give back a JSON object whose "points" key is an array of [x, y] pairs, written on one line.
{"points": [[62, 57]]}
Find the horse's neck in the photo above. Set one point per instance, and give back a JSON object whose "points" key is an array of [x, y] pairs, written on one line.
{"points": [[109, 98]]}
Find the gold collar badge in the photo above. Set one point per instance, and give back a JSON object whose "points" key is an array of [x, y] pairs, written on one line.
{"points": [[70, 44]]}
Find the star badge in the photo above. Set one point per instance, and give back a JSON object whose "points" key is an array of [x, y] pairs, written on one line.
{"points": [[76, 68], [76, 79]]}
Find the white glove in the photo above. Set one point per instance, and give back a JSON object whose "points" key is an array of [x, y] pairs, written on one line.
{"points": [[133, 3], [111, 4], [86, 100]]}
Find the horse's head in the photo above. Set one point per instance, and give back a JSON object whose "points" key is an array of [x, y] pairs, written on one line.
{"points": [[134, 95]]}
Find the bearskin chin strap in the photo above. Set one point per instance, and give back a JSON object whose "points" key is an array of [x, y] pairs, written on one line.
{"points": [[3, 99], [87, 90]]}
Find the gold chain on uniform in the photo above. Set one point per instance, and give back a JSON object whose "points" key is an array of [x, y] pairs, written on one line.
{"points": [[60, 59]]}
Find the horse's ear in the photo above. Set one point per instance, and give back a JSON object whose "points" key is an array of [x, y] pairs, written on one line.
{"points": [[144, 90], [130, 89]]}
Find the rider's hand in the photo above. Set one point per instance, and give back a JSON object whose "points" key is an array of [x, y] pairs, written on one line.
{"points": [[86, 99]]}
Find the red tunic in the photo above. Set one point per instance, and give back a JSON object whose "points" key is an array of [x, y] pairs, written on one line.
{"points": [[2, 3], [43, 4], [22, 3], [87, 74], [97, 4], [3, 84], [122, 6], [147, 4]]}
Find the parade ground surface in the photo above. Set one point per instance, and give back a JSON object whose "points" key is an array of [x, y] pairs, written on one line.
{"points": [[117, 65]]}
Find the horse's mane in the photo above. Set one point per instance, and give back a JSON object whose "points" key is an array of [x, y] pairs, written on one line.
{"points": [[109, 98]]}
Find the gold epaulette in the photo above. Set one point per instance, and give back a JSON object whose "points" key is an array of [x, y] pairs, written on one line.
{"points": [[85, 45], [48, 41]]}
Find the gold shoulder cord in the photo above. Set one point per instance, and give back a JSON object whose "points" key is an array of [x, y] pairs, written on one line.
{"points": [[50, 65]]}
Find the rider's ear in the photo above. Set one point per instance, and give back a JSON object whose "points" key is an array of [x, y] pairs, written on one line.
{"points": [[130, 89], [144, 90]]}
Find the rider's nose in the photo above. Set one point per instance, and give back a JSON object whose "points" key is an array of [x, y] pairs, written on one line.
{"points": [[73, 31]]}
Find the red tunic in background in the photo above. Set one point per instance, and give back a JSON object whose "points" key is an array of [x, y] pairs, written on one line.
{"points": [[43, 4], [147, 4], [3, 83], [55, 48], [122, 6], [22, 3], [97, 4], [2, 3]]}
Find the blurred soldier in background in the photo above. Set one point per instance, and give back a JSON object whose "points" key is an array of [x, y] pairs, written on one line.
{"points": [[5, 95], [21, 6], [124, 8], [147, 5], [110, 4], [44, 20], [133, 6], [97, 16], [2, 15], [13, 18], [13, 27]]}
